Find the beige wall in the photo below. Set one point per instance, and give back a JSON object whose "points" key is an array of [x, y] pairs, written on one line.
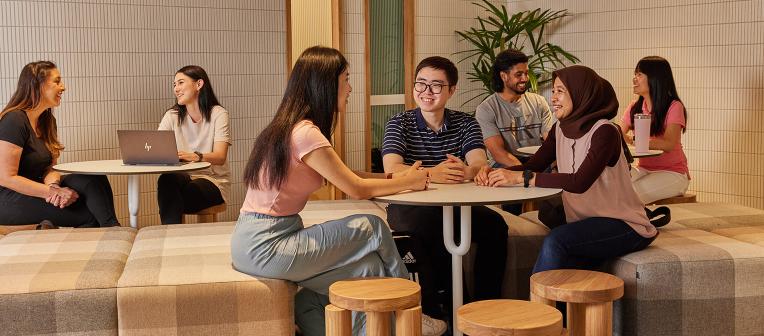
{"points": [[311, 25], [118, 60], [715, 49], [353, 42]]}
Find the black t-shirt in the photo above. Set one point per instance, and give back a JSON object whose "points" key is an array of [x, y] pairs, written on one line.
{"points": [[36, 159]]}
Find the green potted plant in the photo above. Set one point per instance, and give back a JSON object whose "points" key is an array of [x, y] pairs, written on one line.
{"points": [[523, 31]]}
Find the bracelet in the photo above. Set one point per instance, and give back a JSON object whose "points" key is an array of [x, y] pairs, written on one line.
{"points": [[199, 156], [527, 176]]}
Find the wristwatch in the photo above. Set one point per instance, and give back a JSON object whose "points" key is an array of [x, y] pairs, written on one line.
{"points": [[199, 156], [527, 176]]}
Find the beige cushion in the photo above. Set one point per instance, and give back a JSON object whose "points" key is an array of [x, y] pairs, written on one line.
{"points": [[703, 275], [523, 246], [179, 280], [62, 281]]}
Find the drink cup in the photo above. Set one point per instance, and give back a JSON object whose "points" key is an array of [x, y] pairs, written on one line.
{"points": [[642, 133]]}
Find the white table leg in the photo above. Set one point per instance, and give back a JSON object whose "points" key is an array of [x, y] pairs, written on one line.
{"points": [[457, 252], [133, 198]]}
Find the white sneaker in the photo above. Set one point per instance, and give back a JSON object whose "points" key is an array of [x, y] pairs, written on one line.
{"points": [[433, 327]]}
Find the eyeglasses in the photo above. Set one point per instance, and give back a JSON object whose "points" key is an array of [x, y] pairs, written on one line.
{"points": [[435, 88]]}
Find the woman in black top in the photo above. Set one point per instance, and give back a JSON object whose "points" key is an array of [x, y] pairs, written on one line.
{"points": [[30, 191]]}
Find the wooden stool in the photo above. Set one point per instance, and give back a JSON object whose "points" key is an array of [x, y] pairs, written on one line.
{"points": [[208, 215], [686, 198], [378, 297], [509, 317], [589, 296]]}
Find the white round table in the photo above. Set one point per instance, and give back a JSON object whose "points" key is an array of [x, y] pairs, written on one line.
{"points": [[116, 167], [530, 150], [464, 195]]}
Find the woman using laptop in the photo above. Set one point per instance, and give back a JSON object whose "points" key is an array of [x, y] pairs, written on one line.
{"points": [[201, 133], [30, 191], [290, 160]]}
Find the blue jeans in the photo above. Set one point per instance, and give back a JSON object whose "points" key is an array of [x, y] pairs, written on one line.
{"points": [[315, 257], [586, 244]]}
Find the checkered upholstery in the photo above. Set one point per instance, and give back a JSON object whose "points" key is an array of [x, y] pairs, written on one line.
{"points": [[62, 281], [179, 281], [703, 275]]}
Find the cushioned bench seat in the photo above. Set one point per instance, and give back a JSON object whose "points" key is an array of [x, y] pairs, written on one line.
{"points": [[62, 281], [179, 281], [703, 275], [691, 282]]}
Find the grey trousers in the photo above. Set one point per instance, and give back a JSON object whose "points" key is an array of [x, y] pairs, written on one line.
{"points": [[315, 257]]}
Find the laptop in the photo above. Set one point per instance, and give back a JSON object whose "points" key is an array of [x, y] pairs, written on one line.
{"points": [[148, 147]]}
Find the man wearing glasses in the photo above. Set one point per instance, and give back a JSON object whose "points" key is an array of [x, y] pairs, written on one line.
{"points": [[450, 146]]}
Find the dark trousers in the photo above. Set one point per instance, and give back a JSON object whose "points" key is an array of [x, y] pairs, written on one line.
{"points": [[93, 208], [588, 243], [425, 225], [178, 194]]}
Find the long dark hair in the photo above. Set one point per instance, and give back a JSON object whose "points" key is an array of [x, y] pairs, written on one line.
{"points": [[660, 80], [207, 98], [27, 96], [311, 94]]}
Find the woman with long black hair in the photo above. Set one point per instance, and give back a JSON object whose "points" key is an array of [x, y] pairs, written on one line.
{"points": [[202, 133], [666, 175], [290, 160]]}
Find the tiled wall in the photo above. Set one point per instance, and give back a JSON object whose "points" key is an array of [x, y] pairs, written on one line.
{"points": [[118, 59], [435, 25], [715, 48], [353, 27]]}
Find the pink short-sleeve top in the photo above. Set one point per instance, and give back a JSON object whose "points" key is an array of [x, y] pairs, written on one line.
{"points": [[674, 160], [301, 180]]}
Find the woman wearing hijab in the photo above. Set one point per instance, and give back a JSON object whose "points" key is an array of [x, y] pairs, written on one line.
{"points": [[605, 217]]}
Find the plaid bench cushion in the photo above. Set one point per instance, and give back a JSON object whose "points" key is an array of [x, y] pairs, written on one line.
{"points": [[691, 282], [179, 280], [62, 281]]}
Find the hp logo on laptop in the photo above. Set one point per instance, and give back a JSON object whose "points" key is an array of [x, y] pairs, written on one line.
{"points": [[147, 147]]}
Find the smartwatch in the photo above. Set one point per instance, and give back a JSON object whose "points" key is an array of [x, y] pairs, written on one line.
{"points": [[199, 156], [527, 176]]}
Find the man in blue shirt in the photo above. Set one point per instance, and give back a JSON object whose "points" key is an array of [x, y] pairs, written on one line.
{"points": [[450, 146]]}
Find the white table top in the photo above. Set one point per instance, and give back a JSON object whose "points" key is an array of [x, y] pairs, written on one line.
{"points": [[652, 152], [529, 150], [116, 167], [468, 194]]}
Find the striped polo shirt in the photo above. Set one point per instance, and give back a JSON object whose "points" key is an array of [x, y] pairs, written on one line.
{"points": [[407, 135]]}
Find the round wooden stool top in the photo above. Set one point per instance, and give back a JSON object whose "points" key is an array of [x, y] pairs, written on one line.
{"points": [[375, 294], [577, 286], [509, 317]]}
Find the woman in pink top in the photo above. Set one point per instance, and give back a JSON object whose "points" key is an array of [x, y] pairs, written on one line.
{"points": [[664, 176], [605, 218], [290, 160]]}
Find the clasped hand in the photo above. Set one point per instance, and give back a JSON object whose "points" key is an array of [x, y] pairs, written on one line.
{"points": [[419, 179], [61, 197], [497, 177], [450, 171]]}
